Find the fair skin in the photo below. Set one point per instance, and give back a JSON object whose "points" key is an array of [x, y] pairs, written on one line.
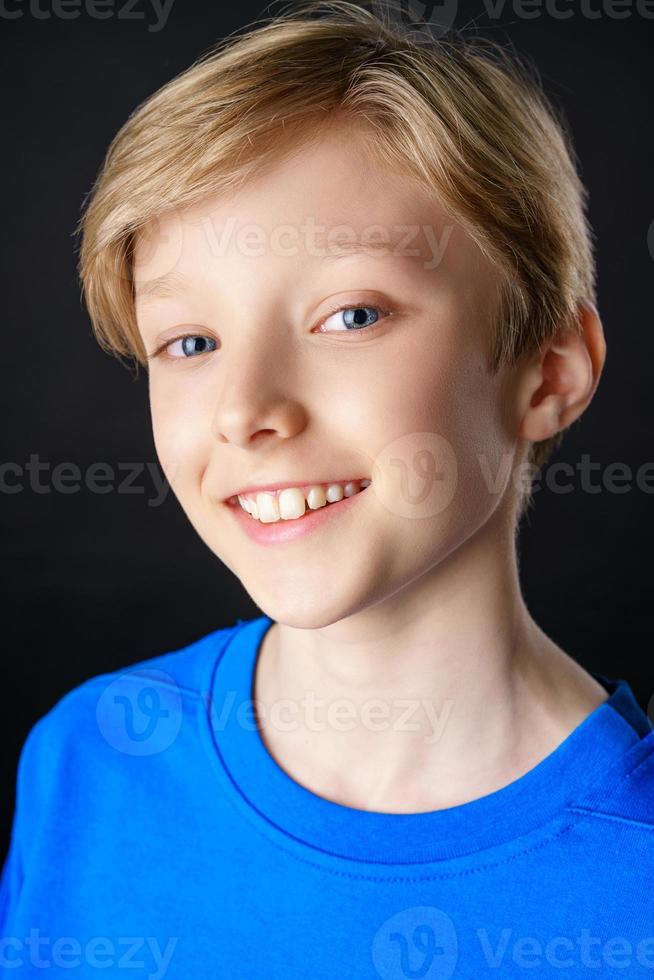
{"points": [[403, 596]]}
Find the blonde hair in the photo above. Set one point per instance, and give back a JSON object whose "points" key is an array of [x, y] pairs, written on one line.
{"points": [[466, 118]]}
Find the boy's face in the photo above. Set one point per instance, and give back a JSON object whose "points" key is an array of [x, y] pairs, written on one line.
{"points": [[284, 390]]}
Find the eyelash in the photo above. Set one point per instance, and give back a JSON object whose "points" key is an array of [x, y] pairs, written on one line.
{"points": [[338, 309]]}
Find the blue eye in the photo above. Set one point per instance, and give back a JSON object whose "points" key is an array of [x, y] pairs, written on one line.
{"points": [[189, 345], [356, 317]]}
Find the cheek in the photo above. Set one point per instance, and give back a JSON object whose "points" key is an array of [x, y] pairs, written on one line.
{"points": [[419, 387], [179, 433], [435, 427], [481, 442]]}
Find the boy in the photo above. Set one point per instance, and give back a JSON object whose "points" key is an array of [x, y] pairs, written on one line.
{"points": [[393, 772]]}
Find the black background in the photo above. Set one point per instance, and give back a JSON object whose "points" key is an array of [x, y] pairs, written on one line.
{"points": [[94, 582]]}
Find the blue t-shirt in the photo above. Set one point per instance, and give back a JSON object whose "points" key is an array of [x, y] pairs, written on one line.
{"points": [[154, 832]]}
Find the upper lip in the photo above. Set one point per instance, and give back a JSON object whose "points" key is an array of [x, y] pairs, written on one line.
{"points": [[284, 484]]}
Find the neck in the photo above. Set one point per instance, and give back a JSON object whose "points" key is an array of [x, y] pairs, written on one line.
{"points": [[442, 693]]}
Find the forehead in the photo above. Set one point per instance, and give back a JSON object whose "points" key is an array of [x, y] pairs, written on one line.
{"points": [[330, 200]]}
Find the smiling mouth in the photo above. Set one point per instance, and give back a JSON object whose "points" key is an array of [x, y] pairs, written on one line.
{"points": [[292, 503]]}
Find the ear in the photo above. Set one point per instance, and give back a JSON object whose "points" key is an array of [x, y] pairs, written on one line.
{"points": [[559, 381]]}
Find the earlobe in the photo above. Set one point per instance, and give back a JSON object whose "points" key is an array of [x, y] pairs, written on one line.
{"points": [[561, 379]]}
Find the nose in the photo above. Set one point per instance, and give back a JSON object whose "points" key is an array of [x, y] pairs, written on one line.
{"points": [[243, 425], [254, 404]]}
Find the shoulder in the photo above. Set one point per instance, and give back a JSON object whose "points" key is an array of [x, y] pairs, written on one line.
{"points": [[626, 795], [134, 711], [99, 746]]}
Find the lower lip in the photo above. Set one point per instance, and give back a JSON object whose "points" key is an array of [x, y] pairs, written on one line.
{"points": [[277, 532]]}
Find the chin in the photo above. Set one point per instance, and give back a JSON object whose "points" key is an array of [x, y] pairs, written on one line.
{"points": [[303, 609]]}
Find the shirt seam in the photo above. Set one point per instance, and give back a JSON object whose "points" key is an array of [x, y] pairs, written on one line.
{"points": [[408, 878], [646, 763], [587, 812], [253, 815]]}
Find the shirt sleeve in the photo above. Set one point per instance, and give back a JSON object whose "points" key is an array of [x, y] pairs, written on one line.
{"points": [[10, 882], [13, 868]]}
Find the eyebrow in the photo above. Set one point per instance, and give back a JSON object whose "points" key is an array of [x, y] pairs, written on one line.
{"points": [[166, 286], [339, 250], [163, 286]]}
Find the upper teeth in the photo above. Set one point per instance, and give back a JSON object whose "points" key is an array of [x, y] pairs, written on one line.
{"points": [[289, 504]]}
